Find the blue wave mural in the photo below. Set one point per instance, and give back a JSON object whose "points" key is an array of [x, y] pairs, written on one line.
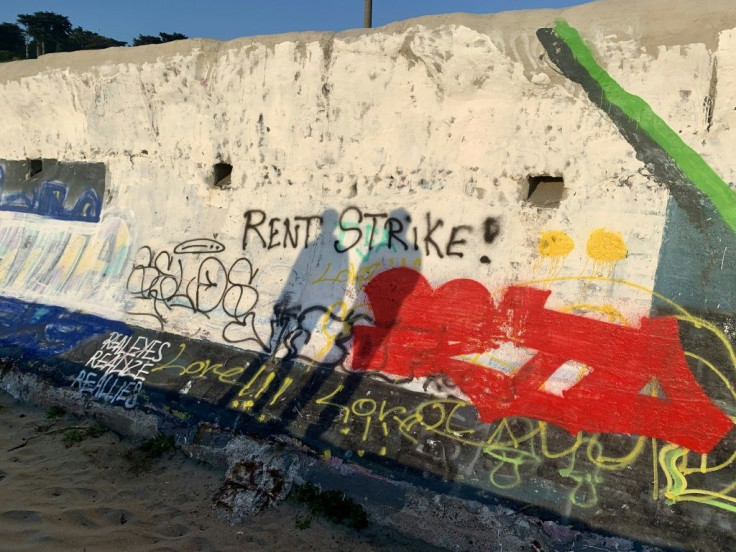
{"points": [[54, 198], [44, 331]]}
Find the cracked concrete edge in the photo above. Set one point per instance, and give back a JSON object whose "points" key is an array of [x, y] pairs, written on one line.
{"points": [[40, 392], [441, 520]]}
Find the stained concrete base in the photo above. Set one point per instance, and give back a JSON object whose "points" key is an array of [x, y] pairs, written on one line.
{"points": [[441, 520]]}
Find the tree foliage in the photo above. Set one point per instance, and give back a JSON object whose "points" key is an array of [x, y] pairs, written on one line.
{"points": [[12, 42], [46, 29], [166, 37], [41, 32], [81, 39], [142, 40]]}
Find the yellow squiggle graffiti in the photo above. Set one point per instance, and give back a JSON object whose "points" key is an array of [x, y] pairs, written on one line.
{"points": [[673, 459]]}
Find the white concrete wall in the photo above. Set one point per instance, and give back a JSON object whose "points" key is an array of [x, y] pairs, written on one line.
{"points": [[445, 116]]}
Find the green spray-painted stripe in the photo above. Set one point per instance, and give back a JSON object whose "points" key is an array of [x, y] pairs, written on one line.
{"points": [[719, 504], [691, 164]]}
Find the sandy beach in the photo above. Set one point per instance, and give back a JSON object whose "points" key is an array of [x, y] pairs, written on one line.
{"points": [[60, 496]]}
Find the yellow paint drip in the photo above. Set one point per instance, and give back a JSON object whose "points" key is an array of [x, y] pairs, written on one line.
{"points": [[555, 243], [606, 247]]}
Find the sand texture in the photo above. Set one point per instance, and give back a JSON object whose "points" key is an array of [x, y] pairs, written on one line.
{"points": [[85, 498]]}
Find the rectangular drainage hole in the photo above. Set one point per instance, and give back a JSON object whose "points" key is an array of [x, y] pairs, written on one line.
{"points": [[222, 175], [35, 166], [544, 190]]}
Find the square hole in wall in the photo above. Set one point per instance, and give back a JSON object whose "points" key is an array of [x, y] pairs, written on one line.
{"points": [[35, 166], [544, 190], [221, 175]]}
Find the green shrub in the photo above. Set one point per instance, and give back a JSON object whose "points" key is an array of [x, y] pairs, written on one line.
{"points": [[95, 430], [158, 446], [55, 412], [141, 458], [72, 437]]}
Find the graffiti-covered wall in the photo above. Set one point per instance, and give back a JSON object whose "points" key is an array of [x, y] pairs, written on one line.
{"points": [[495, 251]]}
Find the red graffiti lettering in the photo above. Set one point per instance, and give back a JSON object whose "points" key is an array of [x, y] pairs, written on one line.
{"points": [[419, 331]]}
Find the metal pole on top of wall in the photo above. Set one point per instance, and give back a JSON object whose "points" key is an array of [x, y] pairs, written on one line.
{"points": [[368, 14]]}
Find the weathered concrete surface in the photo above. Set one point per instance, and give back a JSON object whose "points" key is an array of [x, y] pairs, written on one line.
{"points": [[456, 251], [442, 519]]}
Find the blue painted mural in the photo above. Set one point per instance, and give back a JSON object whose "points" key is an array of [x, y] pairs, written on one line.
{"points": [[60, 191], [45, 331]]}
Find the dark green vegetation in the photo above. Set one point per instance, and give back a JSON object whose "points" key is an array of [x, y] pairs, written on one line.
{"points": [[303, 522], [74, 436], [141, 459], [42, 32], [332, 505], [55, 412], [142, 40], [95, 430]]}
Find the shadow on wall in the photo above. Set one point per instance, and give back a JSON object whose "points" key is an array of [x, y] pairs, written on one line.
{"points": [[395, 230]]}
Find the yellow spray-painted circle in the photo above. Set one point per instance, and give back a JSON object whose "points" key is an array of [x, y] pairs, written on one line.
{"points": [[605, 246], [555, 243]]}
